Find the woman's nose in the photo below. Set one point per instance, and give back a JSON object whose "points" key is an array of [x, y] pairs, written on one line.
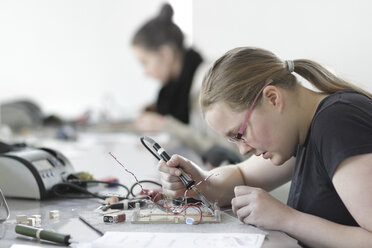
{"points": [[244, 148]]}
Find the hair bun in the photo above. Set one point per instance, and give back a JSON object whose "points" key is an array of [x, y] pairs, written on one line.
{"points": [[166, 13]]}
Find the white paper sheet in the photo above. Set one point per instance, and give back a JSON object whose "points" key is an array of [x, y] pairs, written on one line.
{"points": [[176, 240], [24, 246]]}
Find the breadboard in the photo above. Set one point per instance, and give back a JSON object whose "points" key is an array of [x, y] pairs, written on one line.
{"points": [[158, 216]]}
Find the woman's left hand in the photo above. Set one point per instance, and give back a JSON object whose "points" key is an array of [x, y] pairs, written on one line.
{"points": [[257, 207]]}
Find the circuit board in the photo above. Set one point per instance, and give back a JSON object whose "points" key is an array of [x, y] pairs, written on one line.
{"points": [[189, 216]]}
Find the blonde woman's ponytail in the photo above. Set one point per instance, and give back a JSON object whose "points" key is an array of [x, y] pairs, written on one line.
{"points": [[322, 78], [239, 74]]}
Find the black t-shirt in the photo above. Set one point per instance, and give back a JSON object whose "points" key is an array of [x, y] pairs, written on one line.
{"points": [[341, 128], [173, 98]]}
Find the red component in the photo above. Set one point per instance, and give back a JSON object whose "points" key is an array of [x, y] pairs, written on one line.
{"points": [[110, 200], [121, 217], [145, 192], [114, 218], [155, 194]]}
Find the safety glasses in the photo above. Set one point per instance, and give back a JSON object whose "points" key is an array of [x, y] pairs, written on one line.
{"points": [[239, 136]]}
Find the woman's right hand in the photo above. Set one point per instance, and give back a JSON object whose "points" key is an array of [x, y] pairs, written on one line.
{"points": [[169, 175]]}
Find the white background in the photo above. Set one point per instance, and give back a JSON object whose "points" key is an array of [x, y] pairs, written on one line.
{"points": [[337, 34], [74, 55]]}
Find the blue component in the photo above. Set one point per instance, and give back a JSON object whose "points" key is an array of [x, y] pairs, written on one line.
{"points": [[189, 221]]}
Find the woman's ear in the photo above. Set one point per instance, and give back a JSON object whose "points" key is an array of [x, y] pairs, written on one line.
{"points": [[166, 52], [273, 96]]}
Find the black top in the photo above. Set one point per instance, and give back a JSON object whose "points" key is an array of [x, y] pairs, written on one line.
{"points": [[173, 98], [341, 128]]}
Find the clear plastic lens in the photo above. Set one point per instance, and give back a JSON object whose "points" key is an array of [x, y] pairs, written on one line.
{"points": [[235, 139]]}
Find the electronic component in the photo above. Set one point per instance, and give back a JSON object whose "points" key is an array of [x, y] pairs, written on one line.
{"points": [[191, 216], [111, 181], [31, 221], [34, 220], [154, 194], [114, 218], [53, 214], [37, 218], [111, 200], [124, 205], [190, 221], [21, 219]]}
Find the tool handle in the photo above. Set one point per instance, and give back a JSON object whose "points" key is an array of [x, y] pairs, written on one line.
{"points": [[187, 181], [117, 205], [43, 234]]}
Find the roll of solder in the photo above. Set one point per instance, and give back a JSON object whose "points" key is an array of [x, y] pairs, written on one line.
{"points": [[42, 234]]}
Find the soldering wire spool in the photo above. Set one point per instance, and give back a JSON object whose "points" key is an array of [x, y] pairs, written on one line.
{"points": [[40, 233]]}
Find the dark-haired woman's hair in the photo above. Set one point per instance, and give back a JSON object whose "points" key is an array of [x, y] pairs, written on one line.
{"points": [[238, 76], [159, 31]]}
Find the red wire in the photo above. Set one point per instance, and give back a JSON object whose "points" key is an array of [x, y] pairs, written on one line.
{"points": [[112, 155], [201, 181]]}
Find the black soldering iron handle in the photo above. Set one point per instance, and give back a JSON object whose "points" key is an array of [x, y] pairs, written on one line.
{"points": [[187, 181], [117, 205]]}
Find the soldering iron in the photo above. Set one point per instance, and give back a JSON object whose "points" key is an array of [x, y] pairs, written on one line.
{"points": [[187, 181]]}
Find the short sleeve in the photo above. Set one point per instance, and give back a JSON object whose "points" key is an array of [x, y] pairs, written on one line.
{"points": [[342, 130]]}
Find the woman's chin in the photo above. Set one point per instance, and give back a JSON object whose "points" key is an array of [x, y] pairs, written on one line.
{"points": [[277, 160]]}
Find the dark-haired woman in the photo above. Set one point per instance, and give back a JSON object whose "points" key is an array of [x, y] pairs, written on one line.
{"points": [[159, 46]]}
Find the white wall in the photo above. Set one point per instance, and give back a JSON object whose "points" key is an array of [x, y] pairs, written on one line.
{"points": [[336, 33], [71, 55]]}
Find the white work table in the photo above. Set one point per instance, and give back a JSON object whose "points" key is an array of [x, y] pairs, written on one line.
{"points": [[90, 154]]}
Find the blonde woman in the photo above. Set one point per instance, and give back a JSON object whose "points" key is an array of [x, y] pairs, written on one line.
{"points": [[321, 140]]}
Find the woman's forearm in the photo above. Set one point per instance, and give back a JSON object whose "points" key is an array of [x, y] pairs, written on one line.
{"points": [[220, 186], [317, 232]]}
